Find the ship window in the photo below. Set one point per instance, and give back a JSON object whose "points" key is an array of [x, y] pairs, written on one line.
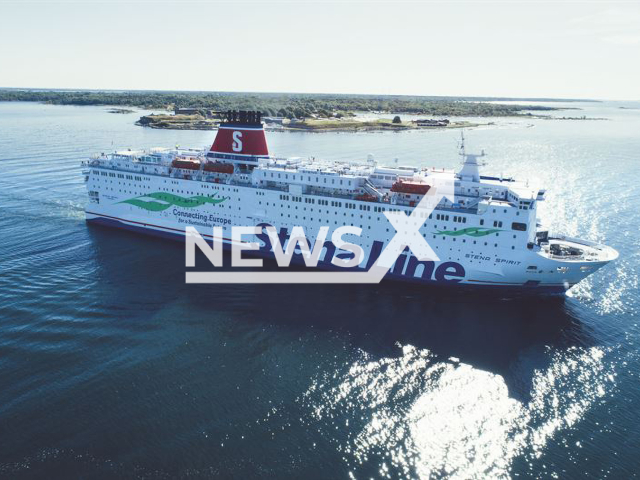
{"points": [[482, 221], [522, 227]]}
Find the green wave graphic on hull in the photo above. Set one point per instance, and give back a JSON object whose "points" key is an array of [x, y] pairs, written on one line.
{"points": [[471, 231], [167, 200]]}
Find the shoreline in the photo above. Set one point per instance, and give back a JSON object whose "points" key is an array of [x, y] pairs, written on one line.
{"points": [[350, 124]]}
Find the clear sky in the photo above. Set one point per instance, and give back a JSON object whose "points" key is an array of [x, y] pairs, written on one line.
{"points": [[515, 49]]}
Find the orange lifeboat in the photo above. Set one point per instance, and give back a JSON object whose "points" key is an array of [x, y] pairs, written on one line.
{"points": [[189, 164], [218, 167], [410, 187], [366, 197]]}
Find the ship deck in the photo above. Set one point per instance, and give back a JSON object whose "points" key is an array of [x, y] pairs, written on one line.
{"points": [[568, 249]]}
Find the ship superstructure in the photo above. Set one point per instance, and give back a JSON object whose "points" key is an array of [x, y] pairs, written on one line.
{"points": [[486, 235]]}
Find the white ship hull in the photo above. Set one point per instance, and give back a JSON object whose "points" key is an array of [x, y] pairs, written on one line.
{"points": [[465, 260]]}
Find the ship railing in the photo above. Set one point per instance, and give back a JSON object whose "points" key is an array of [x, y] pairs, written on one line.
{"points": [[470, 210], [329, 193], [578, 241], [575, 258]]}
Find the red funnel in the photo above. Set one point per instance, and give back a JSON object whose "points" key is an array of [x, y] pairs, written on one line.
{"points": [[241, 139]]}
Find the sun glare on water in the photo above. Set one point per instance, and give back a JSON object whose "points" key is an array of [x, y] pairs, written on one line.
{"points": [[429, 418]]}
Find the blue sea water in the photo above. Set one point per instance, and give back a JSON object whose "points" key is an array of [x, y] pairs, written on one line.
{"points": [[110, 366]]}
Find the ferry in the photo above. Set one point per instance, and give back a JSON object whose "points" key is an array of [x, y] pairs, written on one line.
{"points": [[486, 236]]}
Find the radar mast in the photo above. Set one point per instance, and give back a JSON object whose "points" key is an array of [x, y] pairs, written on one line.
{"points": [[470, 170]]}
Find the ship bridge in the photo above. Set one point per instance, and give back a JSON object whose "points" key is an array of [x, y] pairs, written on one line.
{"points": [[494, 190]]}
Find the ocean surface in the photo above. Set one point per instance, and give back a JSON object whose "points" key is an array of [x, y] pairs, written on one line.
{"points": [[110, 366]]}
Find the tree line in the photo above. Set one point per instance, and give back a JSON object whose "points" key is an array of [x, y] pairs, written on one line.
{"points": [[291, 105]]}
